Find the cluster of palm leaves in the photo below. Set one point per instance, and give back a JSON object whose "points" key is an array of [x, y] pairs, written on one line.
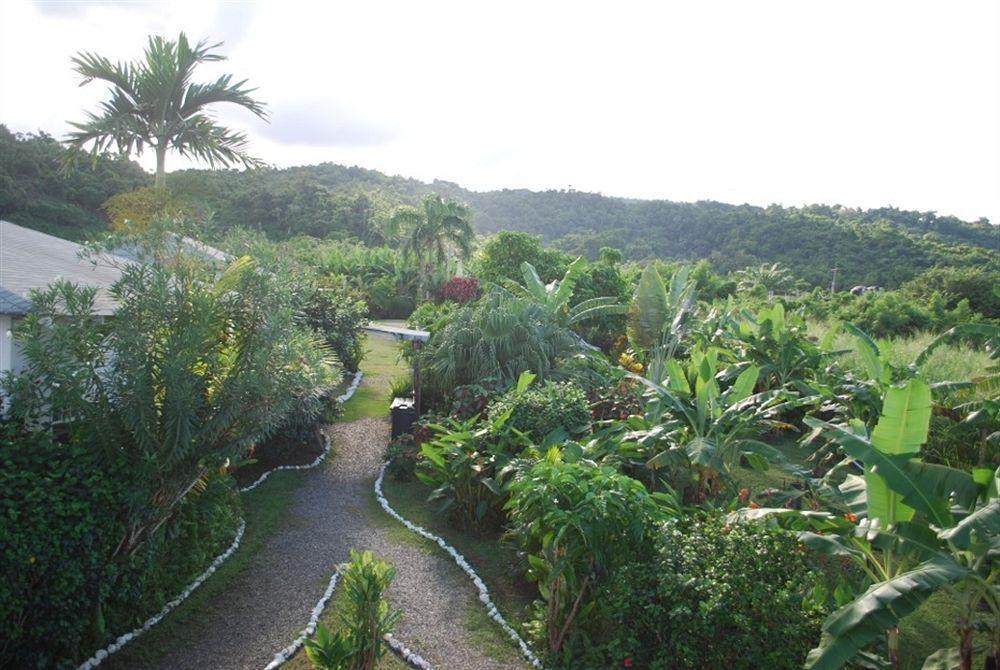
{"points": [[497, 338], [153, 103], [769, 277], [433, 234]]}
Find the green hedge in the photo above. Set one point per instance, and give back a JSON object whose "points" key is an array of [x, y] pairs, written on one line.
{"points": [[541, 410]]}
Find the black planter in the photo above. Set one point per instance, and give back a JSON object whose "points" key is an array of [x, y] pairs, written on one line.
{"points": [[404, 413]]}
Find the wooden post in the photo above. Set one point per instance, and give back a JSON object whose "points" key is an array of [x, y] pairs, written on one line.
{"points": [[416, 376]]}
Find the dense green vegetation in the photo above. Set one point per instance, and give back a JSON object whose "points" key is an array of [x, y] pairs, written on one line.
{"points": [[882, 247], [123, 434], [682, 506], [34, 193], [690, 449]]}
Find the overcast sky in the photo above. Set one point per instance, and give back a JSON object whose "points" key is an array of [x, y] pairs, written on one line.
{"points": [[862, 103]]}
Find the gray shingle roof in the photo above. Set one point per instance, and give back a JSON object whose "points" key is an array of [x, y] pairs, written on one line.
{"points": [[33, 260]]}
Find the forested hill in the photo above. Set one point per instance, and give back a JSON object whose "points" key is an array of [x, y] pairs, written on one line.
{"points": [[882, 247], [874, 247]]}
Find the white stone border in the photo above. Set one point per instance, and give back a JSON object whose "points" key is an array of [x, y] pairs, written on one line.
{"points": [[406, 654], [289, 651], [326, 447], [484, 593], [122, 640], [102, 654]]}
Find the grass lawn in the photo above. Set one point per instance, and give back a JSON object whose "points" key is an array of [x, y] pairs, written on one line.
{"points": [[381, 365]]}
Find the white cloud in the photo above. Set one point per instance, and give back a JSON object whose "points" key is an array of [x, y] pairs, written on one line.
{"points": [[858, 103]]}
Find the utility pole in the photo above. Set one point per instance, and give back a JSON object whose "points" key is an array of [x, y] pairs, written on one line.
{"points": [[833, 284]]}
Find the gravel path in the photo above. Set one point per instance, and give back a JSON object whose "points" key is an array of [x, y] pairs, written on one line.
{"points": [[333, 510]]}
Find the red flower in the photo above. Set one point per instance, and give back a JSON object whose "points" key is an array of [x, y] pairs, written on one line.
{"points": [[754, 505], [853, 518], [461, 289], [744, 494], [627, 663]]}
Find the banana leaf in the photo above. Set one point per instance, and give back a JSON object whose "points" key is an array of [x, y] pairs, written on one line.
{"points": [[919, 486], [984, 521], [883, 605], [867, 351]]}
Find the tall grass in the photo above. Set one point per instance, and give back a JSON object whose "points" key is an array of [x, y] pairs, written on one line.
{"points": [[952, 362]]}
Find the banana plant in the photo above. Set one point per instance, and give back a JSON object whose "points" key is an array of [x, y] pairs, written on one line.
{"points": [[555, 296], [984, 411], [705, 428], [659, 316], [777, 343], [914, 528], [862, 394]]}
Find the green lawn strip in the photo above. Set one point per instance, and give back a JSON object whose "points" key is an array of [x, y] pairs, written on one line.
{"points": [[381, 365], [493, 560], [265, 510], [933, 626]]}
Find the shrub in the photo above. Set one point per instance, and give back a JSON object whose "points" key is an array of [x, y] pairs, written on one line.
{"points": [[195, 368], [55, 534], [431, 316], [714, 596], [576, 522], [461, 289], [497, 338], [134, 211], [550, 407], [461, 464], [360, 643], [59, 526], [618, 401], [401, 387], [501, 257], [974, 284], [469, 400], [402, 456], [338, 318]]}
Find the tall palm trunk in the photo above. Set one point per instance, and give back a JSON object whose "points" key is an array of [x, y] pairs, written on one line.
{"points": [[161, 162]]}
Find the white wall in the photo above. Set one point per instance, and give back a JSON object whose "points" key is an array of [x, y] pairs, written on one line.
{"points": [[6, 343], [10, 353]]}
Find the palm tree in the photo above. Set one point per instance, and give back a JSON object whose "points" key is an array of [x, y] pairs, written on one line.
{"points": [[773, 277], [154, 103], [430, 235]]}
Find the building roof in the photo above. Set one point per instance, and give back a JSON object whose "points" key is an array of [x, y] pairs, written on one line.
{"points": [[398, 332], [33, 260]]}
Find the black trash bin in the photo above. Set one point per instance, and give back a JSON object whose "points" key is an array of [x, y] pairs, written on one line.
{"points": [[404, 413]]}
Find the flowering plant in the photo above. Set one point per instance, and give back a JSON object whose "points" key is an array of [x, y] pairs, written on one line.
{"points": [[461, 289]]}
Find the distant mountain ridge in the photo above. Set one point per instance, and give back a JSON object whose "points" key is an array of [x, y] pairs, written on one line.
{"points": [[884, 247]]}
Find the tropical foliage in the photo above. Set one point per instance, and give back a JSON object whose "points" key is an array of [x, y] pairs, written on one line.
{"points": [[154, 104], [704, 447], [141, 416], [359, 643]]}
